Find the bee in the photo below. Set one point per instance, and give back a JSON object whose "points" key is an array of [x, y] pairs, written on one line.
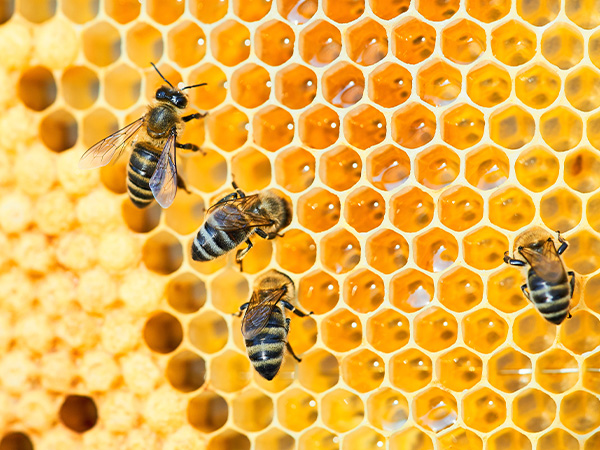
{"points": [[152, 171], [264, 326], [235, 218], [549, 286]]}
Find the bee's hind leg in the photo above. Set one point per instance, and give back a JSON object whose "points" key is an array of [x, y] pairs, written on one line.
{"points": [[238, 190], [181, 184], [525, 291], [512, 261], [242, 252], [295, 310], [289, 348], [193, 116], [563, 244]]}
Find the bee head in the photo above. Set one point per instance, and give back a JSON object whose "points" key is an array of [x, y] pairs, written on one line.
{"points": [[173, 96]]}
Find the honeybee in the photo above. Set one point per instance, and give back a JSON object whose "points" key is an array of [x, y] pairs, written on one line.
{"points": [[549, 286], [235, 218], [264, 326], [152, 171]]}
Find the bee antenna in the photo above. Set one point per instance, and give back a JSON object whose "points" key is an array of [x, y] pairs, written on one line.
{"points": [[193, 86], [161, 75]]}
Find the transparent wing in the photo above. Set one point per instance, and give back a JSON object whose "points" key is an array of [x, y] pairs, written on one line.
{"points": [[236, 214], [163, 183], [102, 152], [258, 312], [546, 264]]}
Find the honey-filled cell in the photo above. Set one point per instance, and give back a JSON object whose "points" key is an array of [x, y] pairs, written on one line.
{"points": [[295, 86], [513, 43], [413, 41], [411, 209], [488, 84], [562, 45], [363, 291], [460, 208], [343, 84], [459, 369], [274, 439], [439, 83], [435, 409], [318, 292], [363, 370], [340, 168], [411, 290], [250, 85], [537, 168], [389, 85], [273, 128], [364, 127], [341, 330], [294, 169], [560, 210], [437, 167], [487, 167], [413, 125], [320, 43], [274, 42], [463, 41], [342, 410], [411, 437], [561, 128], [388, 331]]}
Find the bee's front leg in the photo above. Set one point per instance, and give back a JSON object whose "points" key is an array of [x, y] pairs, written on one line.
{"points": [[193, 116], [191, 147], [512, 261], [242, 308], [563, 244]]}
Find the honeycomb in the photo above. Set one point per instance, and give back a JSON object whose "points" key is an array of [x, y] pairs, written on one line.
{"points": [[415, 140]]}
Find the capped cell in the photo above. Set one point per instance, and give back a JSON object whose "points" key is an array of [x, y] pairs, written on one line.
{"points": [[341, 331], [460, 289], [388, 167], [340, 168], [343, 84], [250, 85], [435, 409], [319, 127], [413, 41], [512, 127], [272, 128], [463, 41], [410, 370], [488, 12], [390, 85], [488, 84], [388, 331], [387, 409], [295, 169], [556, 371], [513, 43], [411, 209], [483, 248], [318, 210], [230, 43], [537, 86], [340, 251], [435, 250], [561, 128], [364, 127], [437, 167], [363, 291], [435, 329], [560, 209], [274, 42], [363, 370], [484, 330], [438, 83], [366, 42], [537, 168], [318, 292], [364, 209], [484, 410], [562, 45], [460, 208], [320, 43], [511, 208], [462, 126], [411, 290], [387, 251], [459, 369], [413, 125], [295, 86]]}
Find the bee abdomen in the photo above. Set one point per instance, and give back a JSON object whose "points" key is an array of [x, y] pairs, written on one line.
{"points": [[211, 243], [266, 351], [141, 167], [552, 302]]}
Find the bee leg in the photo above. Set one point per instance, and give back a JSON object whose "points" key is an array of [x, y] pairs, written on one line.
{"points": [[191, 147], [193, 116], [295, 310], [525, 291], [512, 261], [181, 184], [242, 308], [563, 244], [238, 190], [289, 348], [572, 281], [242, 252]]}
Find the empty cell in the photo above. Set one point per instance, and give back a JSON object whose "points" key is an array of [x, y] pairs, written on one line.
{"points": [[252, 410], [233, 369], [122, 86], [583, 14], [387, 251], [343, 11], [509, 370], [207, 411], [561, 128], [459, 369], [296, 409], [487, 167], [272, 128], [559, 440], [413, 125], [363, 370], [364, 127], [274, 42], [144, 44], [363, 291], [460, 289], [537, 168], [208, 172], [538, 13], [438, 83], [463, 41], [340, 168], [7, 9], [229, 290], [37, 11], [537, 86], [387, 409], [214, 93], [319, 371], [581, 333], [366, 42], [562, 45], [561, 210], [435, 329], [208, 11], [364, 209], [512, 127], [320, 43], [488, 84], [483, 248], [37, 88], [186, 44], [411, 290], [340, 251], [411, 209], [274, 439], [229, 439], [435, 409], [437, 167], [533, 333], [16, 440], [251, 11], [186, 293], [484, 330], [123, 11], [80, 87], [513, 43], [580, 412], [533, 410], [509, 439], [295, 169], [165, 12], [318, 292], [296, 251], [78, 413], [413, 41], [297, 11], [320, 438], [390, 85], [511, 208], [186, 371], [341, 331], [319, 127], [295, 86], [462, 126], [341, 410], [389, 9], [582, 89], [163, 332], [162, 253], [343, 84], [186, 213], [208, 331], [388, 331], [388, 167], [460, 208], [250, 85], [410, 437], [435, 250], [58, 130], [318, 210], [437, 12], [228, 128], [589, 293], [363, 437], [556, 371], [141, 220]]}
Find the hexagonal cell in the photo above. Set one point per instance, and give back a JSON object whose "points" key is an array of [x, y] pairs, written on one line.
{"points": [[208, 331], [364, 209], [208, 172], [558, 439], [363, 291], [303, 333], [411, 209], [98, 124], [435, 409], [342, 410], [230, 43], [387, 167], [343, 11], [363, 370], [75, 10], [364, 126], [228, 291], [319, 127], [484, 330], [214, 77], [538, 14], [413, 125], [274, 42], [487, 167], [562, 45], [58, 130], [295, 86], [508, 439], [591, 373], [561, 128], [122, 86], [589, 293], [460, 289], [251, 11], [37, 88], [186, 44], [533, 410], [229, 439], [437, 12], [272, 128], [123, 11], [80, 87], [484, 410], [144, 43], [165, 12], [233, 369], [512, 127], [463, 41], [488, 84], [582, 169], [163, 333], [537, 86], [439, 83], [437, 167], [363, 437], [509, 370], [320, 43], [340, 168], [387, 251], [462, 126], [250, 85], [78, 413], [318, 292], [537, 168], [435, 329], [582, 88], [511, 208], [532, 332], [296, 251], [186, 371], [556, 371], [580, 333], [460, 438], [186, 293], [274, 438], [513, 43], [252, 410], [320, 438], [411, 437], [582, 256], [413, 41], [436, 250], [319, 371], [560, 209], [388, 331], [483, 248], [16, 440], [343, 84], [163, 253], [141, 220], [580, 412], [387, 409], [318, 210], [294, 169], [488, 12], [460, 207], [228, 128], [583, 14], [459, 369], [366, 42], [36, 11], [389, 85], [341, 331], [410, 370], [411, 290], [186, 214]]}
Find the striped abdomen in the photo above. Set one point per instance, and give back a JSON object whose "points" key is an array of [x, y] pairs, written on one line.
{"points": [[142, 164], [550, 299], [211, 243], [265, 350]]}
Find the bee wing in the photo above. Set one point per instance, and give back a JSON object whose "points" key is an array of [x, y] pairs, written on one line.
{"points": [[235, 214], [163, 183], [546, 264], [258, 312], [102, 152]]}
